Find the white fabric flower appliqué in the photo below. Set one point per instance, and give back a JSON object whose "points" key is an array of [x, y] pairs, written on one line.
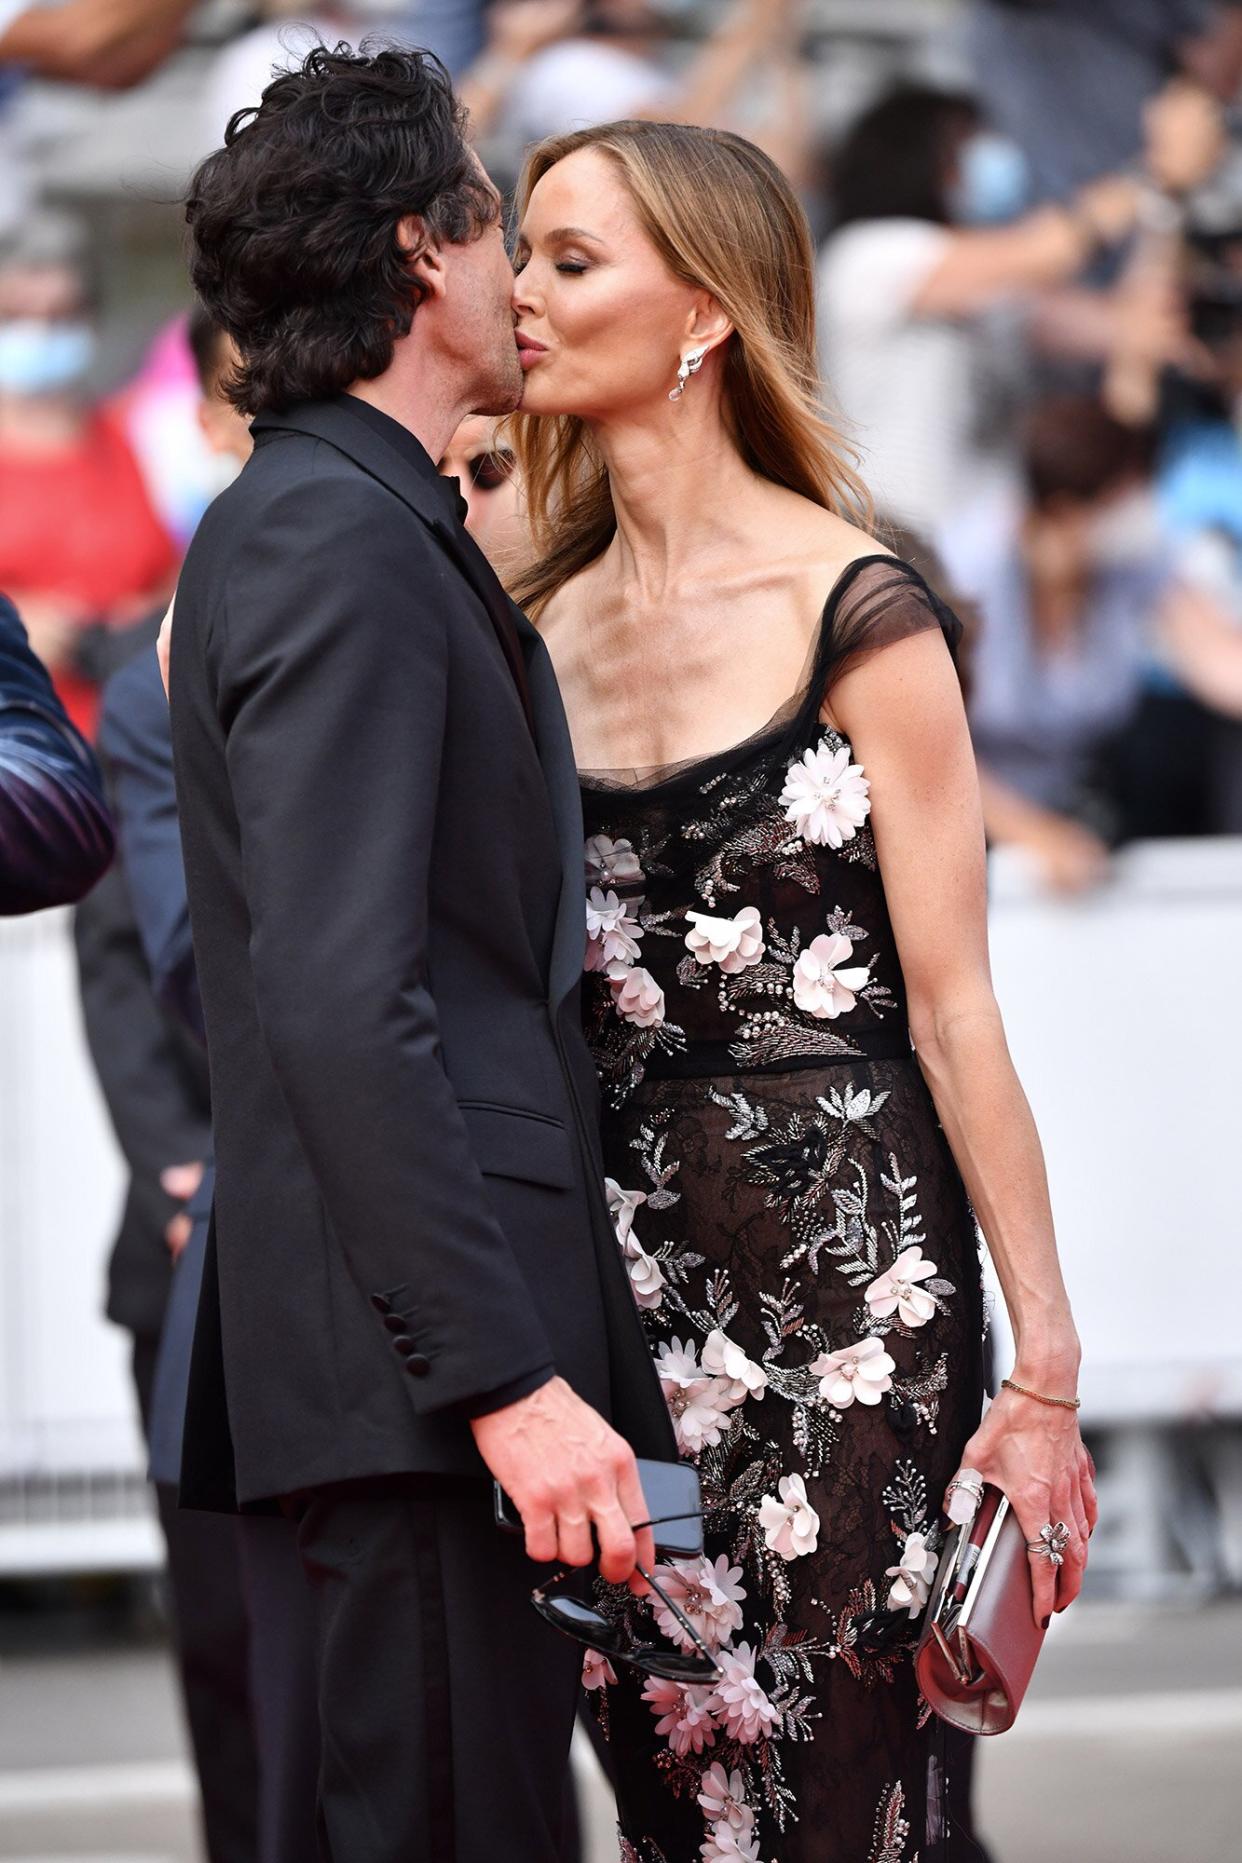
{"points": [[912, 1575], [698, 1403], [826, 797], [612, 932], [790, 1525], [897, 1289], [820, 987], [724, 1359], [638, 998], [733, 943], [645, 1272], [862, 1370], [611, 863]]}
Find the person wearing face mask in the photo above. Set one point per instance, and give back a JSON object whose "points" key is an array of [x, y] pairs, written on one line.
{"points": [[937, 264], [80, 541], [1069, 605]]}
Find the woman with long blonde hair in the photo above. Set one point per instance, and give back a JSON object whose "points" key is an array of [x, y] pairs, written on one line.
{"points": [[805, 1076]]}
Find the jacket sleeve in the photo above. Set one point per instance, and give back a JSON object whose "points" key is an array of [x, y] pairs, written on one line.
{"points": [[135, 743], [55, 833], [332, 691]]}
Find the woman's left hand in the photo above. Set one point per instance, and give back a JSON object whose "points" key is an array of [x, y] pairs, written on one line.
{"points": [[1035, 1455]]}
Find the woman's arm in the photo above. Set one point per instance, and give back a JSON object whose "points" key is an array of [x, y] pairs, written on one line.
{"points": [[902, 711]]}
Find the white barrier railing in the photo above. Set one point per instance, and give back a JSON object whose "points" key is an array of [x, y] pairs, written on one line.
{"points": [[1124, 1013]]}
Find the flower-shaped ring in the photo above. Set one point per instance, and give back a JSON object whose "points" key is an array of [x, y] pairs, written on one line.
{"points": [[1051, 1544]]}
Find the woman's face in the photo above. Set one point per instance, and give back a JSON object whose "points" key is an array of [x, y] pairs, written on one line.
{"points": [[601, 321], [484, 469]]}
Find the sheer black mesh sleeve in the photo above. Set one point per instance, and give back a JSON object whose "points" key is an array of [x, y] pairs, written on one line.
{"points": [[877, 601]]}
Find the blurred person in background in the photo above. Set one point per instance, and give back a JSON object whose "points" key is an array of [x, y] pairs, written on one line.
{"points": [[109, 44], [55, 831], [153, 1076], [274, 1639], [1070, 83], [81, 546], [1069, 603], [552, 65], [934, 255], [480, 459]]}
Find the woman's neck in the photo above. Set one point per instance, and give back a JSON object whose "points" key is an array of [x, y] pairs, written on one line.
{"points": [[683, 496]]}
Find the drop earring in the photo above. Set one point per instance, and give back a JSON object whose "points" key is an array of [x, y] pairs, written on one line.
{"points": [[690, 365]]}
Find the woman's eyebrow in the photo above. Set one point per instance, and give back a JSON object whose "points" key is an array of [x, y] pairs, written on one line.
{"points": [[572, 232]]}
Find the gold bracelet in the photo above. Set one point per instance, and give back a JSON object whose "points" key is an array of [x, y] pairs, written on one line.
{"points": [[1066, 1403]]}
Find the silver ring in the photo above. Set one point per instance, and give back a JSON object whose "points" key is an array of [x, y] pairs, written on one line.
{"points": [[1051, 1544]]}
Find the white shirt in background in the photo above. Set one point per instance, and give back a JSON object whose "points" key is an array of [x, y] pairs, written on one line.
{"points": [[904, 385]]}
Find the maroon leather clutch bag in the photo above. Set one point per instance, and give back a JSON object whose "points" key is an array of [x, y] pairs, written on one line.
{"points": [[980, 1640]]}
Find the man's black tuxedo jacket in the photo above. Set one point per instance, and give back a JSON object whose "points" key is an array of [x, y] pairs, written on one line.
{"points": [[385, 867]]}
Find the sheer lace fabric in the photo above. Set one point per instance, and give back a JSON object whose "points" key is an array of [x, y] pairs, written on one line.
{"points": [[776, 1157]]}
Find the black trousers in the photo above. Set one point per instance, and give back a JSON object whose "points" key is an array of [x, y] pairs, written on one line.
{"points": [[211, 1646], [285, 1713], [446, 1704]]}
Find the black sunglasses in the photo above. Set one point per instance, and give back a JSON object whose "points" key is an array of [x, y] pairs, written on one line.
{"points": [[489, 471], [587, 1625]]}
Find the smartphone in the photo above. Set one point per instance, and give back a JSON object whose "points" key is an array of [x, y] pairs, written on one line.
{"points": [[674, 1504]]}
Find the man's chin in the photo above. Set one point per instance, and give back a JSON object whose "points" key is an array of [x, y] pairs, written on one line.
{"points": [[501, 397]]}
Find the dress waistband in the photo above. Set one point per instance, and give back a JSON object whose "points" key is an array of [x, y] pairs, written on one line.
{"points": [[707, 1059]]}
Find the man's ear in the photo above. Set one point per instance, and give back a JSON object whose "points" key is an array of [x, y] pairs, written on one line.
{"points": [[424, 258]]}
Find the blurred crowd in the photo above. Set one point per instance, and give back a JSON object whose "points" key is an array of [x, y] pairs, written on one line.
{"points": [[1030, 300]]}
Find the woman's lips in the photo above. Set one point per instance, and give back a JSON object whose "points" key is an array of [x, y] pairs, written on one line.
{"points": [[530, 352]]}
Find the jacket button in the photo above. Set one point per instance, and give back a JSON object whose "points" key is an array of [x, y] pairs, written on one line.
{"points": [[394, 1322], [417, 1365], [381, 1303], [405, 1345]]}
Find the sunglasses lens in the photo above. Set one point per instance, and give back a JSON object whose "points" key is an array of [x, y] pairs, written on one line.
{"points": [[674, 1666], [491, 470], [579, 1620]]}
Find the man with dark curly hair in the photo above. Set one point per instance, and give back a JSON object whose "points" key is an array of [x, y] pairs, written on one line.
{"points": [[412, 1279]]}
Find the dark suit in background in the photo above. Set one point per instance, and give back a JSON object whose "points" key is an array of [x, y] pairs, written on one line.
{"points": [[154, 1084], [136, 744], [383, 844], [55, 835]]}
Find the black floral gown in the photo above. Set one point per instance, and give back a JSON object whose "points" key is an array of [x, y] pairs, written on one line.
{"points": [[801, 1245]]}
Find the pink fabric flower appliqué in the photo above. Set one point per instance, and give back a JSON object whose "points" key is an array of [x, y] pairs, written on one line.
{"points": [[826, 797], [862, 1370], [684, 1714], [709, 1594], [820, 987], [897, 1289], [638, 998], [738, 1699], [733, 943], [597, 1671]]}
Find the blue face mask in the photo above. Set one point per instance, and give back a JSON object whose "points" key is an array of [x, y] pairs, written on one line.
{"points": [[993, 183], [38, 358]]}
